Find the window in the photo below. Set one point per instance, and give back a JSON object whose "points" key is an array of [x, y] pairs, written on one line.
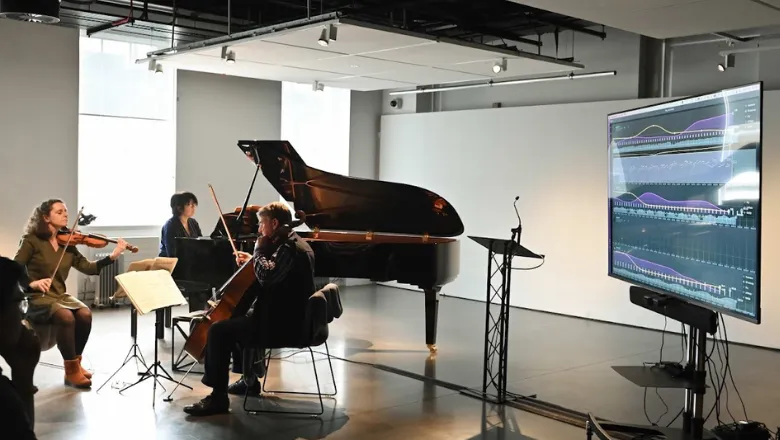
{"points": [[317, 126], [127, 138]]}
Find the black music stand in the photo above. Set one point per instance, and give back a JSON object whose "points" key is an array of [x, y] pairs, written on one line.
{"points": [[135, 351], [150, 291], [497, 327]]}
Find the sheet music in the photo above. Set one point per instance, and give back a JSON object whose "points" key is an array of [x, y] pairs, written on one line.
{"points": [[158, 263], [151, 290]]}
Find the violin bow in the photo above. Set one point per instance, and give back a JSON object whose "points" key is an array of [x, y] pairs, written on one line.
{"points": [[70, 236], [221, 217]]}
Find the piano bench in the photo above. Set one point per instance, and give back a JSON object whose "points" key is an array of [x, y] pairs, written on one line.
{"points": [[178, 359]]}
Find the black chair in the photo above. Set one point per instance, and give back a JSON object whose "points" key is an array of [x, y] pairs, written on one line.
{"points": [[197, 295], [322, 308]]}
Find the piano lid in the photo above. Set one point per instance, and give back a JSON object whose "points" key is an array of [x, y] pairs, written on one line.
{"points": [[336, 202]]}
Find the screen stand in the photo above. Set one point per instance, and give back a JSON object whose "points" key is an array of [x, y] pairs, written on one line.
{"points": [[692, 377]]}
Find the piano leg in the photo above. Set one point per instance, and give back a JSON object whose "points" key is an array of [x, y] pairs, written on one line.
{"points": [[431, 316]]}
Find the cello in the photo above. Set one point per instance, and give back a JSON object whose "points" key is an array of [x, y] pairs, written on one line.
{"points": [[232, 292], [230, 295]]}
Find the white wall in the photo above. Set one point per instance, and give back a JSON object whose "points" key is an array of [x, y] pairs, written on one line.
{"points": [[214, 112], [39, 91], [555, 158], [317, 123], [365, 114]]}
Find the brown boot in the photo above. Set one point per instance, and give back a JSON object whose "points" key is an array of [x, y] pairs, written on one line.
{"points": [[73, 375], [84, 371]]}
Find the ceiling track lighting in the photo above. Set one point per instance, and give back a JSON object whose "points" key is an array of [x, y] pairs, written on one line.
{"points": [[228, 55], [155, 67], [328, 34], [500, 66], [728, 62], [492, 83], [317, 86]]}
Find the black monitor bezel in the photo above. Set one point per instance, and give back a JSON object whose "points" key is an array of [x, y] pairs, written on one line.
{"points": [[759, 164]]}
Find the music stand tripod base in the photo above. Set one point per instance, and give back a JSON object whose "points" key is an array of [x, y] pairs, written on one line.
{"points": [[153, 371], [135, 351]]}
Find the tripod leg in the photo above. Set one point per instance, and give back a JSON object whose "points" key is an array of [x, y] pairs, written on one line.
{"points": [[130, 355], [166, 375], [136, 383], [170, 396]]}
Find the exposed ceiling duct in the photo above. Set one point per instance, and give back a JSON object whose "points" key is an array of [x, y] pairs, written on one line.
{"points": [[37, 11]]}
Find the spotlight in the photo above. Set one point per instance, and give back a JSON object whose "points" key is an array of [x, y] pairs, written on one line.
{"points": [[316, 86], [36, 11], [332, 32], [228, 55], [500, 66], [728, 62], [158, 69], [323, 41]]}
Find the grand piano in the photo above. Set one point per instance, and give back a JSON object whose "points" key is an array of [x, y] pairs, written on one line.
{"points": [[359, 228]]}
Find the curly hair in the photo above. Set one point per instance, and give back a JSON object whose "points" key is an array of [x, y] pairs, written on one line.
{"points": [[278, 211], [36, 225]]}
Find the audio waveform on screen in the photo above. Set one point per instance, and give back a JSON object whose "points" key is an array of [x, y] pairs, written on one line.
{"points": [[654, 201], [659, 271], [707, 219], [701, 129], [674, 165], [701, 167]]}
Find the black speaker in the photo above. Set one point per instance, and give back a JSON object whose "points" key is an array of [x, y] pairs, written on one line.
{"points": [[37, 11]]}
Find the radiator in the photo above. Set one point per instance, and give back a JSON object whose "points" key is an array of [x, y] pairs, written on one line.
{"points": [[107, 284]]}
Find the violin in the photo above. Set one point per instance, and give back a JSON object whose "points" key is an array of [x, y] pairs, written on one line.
{"points": [[66, 237]]}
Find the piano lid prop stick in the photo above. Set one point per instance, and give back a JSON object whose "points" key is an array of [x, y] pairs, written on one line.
{"points": [[73, 230], [221, 217]]}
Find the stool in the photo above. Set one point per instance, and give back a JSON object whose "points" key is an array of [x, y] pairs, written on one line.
{"points": [[197, 295], [191, 318]]}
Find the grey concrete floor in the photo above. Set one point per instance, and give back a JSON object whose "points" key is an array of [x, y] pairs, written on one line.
{"points": [[563, 360]]}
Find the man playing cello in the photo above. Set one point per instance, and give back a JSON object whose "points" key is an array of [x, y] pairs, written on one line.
{"points": [[284, 270]]}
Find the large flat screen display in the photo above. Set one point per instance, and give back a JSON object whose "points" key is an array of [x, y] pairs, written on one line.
{"points": [[685, 199]]}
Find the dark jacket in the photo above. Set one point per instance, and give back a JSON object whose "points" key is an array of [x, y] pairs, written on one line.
{"points": [[172, 229], [285, 283]]}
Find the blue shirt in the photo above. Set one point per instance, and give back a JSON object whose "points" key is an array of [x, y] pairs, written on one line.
{"points": [[172, 229]]}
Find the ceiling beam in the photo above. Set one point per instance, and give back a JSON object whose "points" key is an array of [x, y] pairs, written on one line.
{"points": [[570, 26]]}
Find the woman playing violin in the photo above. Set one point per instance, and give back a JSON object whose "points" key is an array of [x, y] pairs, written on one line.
{"points": [[40, 252]]}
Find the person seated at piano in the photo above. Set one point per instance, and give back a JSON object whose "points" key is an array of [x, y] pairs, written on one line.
{"points": [[284, 267], [21, 350], [181, 223], [41, 254]]}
